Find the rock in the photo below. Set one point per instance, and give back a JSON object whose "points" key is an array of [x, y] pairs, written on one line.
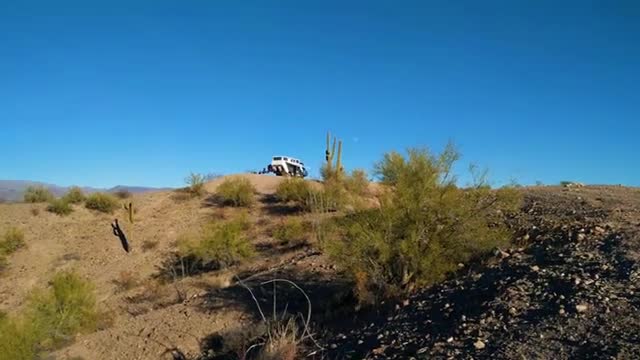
{"points": [[479, 345], [513, 311], [535, 268], [450, 340], [580, 308], [581, 237], [501, 254], [598, 230]]}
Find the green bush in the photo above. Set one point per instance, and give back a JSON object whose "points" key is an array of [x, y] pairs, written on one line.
{"points": [[75, 195], [340, 191], [60, 207], [424, 228], [294, 190], [66, 308], [357, 184], [292, 230], [19, 339], [237, 192], [12, 240], [37, 194], [195, 184], [102, 202], [50, 318], [224, 243]]}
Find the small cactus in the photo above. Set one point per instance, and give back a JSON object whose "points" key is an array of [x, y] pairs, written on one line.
{"points": [[129, 209]]}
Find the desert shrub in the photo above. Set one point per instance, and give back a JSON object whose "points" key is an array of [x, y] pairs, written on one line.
{"points": [[35, 211], [19, 339], [294, 190], [341, 190], [66, 308], [293, 230], [331, 197], [334, 196], [357, 183], [60, 207], [424, 227], [122, 194], [51, 317], [12, 240], [237, 192], [102, 202], [195, 184], [75, 195], [37, 194], [223, 244], [332, 172]]}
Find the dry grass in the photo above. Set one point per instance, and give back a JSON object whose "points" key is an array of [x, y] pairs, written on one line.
{"points": [[35, 211], [284, 343], [126, 280], [285, 334], [149, 245]]}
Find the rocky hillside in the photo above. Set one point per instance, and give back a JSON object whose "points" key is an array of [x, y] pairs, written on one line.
{"points": [[569, 290]]}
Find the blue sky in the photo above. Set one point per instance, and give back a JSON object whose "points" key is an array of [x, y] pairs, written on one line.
{"points": [[102, 93]]}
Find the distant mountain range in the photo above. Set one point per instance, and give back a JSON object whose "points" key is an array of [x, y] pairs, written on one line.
{"points": [[13, 190]]}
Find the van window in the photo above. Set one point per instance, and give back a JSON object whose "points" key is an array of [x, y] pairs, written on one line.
{"points": [[277, 158]]}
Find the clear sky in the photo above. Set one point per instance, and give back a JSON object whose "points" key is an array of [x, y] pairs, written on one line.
{"points": [[112, 92]]}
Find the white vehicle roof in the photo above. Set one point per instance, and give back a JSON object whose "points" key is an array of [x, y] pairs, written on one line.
{"points": [[288, 159]]}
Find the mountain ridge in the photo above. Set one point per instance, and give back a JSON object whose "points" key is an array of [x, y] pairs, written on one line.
{"points": [[13, 190]]}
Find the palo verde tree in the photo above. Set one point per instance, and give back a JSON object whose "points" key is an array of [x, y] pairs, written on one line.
{"points": [[424, 227]]}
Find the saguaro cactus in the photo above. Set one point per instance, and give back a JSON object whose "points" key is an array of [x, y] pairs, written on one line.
{"points": [[129, 209], [331, 154]]}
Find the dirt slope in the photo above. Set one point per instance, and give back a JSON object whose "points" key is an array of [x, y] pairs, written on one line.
{"points": [[83, 241], [512, 306]]}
